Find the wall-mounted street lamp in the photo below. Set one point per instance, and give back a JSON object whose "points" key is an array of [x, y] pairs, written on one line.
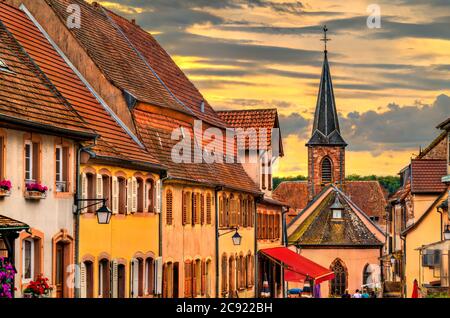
{"points": [[447, 233], [237, 238], [103, 213]]}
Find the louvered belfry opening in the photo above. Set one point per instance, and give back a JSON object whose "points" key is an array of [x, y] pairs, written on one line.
{"points": [[326, 171]]}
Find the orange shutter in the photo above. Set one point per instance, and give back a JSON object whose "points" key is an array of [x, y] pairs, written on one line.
{"points": [[203, 278], [36, 155], [202, 204], [184, 209], [194, 208], [208, 209], [194, 279], [165, 285], [169, 213], [187, 279], [224, 274]]}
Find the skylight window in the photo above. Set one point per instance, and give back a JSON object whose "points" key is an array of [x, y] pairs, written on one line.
{"points": [[3, 66]]}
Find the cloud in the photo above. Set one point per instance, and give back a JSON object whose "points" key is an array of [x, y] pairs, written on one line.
{"points": [[294, 124], [397, 128]]}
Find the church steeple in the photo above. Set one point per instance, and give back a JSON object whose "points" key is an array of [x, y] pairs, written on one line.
{"points": [[326, 148], [326, 129]]}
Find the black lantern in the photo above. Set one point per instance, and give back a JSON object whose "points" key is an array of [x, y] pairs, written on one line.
{"points": [[237, 238], [337, 208], [447, 233], [104, 214]]}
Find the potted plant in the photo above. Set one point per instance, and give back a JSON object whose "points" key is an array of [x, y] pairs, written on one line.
{"points": [[7, 273], [5, 188], [35, 191], [38, 288]]}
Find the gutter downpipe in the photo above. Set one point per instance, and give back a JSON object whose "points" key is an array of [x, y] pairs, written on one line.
{"points": [[78, 214], [162, 177], [284, 242]]}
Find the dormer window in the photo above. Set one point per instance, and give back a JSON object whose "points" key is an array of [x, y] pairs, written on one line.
{"points": [[3, 66], [337, 208]]}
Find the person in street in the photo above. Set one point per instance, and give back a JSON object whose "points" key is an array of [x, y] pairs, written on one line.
{"points": [[372, 294], [365, 294], [346, 295], [357, 294]]}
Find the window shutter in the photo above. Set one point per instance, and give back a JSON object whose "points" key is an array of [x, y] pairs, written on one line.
{"points": [[99, 189], [169, 207], [184, 203], [187, 279], [115, 280], [194, 208], [135, 278], [224, 274], [83, 287], [158, 197], [165, 284], [84, 191], [203, 278], [134, 190], [194, 279], [221, 223], [129, 196], [115, 195], [202, 203], [159, 275], [208, 209], [146, 196]]}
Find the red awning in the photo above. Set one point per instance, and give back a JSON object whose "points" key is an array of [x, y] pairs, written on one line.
{"points": [[297, 267]]}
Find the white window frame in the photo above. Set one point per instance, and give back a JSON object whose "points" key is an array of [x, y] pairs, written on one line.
{"points": [[29, 143], [27, 280]]}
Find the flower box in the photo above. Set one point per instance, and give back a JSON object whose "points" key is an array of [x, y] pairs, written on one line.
{"points": [[35, 195], [5, 188]]}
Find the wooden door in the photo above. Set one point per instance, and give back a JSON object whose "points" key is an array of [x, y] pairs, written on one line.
{"points": [[175, 280], [60, 270], [121, 281]]}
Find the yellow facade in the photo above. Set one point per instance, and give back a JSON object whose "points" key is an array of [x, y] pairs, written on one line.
{"points": [[426, 231], [127, 237]]}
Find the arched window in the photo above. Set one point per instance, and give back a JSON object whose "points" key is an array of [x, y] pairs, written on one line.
{"points": [[326, 171], [87, 279], [149, 195], [122, 195], [232, 276], [169, 207], [140, 194], [103, 278], [149, 276], [338, 285]]}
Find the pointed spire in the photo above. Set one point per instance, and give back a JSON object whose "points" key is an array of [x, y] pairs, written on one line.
{"points": [[326, 129]]}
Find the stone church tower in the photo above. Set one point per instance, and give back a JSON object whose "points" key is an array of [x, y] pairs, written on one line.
{"points": [[326, 148]]}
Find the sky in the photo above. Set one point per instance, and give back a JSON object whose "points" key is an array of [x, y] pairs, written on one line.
{"points": [[392, 83]]}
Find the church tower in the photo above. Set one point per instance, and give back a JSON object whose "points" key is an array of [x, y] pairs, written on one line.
{"points": [[326, 148]]}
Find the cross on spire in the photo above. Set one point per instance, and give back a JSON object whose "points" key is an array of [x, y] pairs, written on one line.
{"points": [[325, 38]]}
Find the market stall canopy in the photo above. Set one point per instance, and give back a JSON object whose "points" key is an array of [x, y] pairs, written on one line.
{"points": [[9, 231], [297, 267]]}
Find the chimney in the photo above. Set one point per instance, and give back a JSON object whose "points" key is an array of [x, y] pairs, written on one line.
{"points": [[133, 21]]}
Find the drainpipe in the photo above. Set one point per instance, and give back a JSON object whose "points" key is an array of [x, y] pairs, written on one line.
{"points": [[77, 214], [163, 177], [216, 195], [284, 242]]}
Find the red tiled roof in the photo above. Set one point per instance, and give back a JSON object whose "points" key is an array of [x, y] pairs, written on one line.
{"points": [[426, 175], [156, 129], [167, 70], [114, 55], [256, 118], [25, 93], [294, 193], [114, 141]]}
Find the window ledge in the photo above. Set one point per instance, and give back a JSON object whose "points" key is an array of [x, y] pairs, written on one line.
{"points": [[34, 195], [5, 193]]}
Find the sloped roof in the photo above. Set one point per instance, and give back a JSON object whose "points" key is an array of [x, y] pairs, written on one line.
{"points": [[26, 94], [7, 223], [156, 131], [426, 175], [114, 141], [430, 150], [114, 55], [294, 193], [257, 119], [167, 70], [367, 195], [320, 229], [326, 129]]}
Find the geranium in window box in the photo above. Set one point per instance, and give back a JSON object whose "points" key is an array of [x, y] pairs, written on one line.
{"points": [[35, 191], [38, 288], [5, 188]]}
